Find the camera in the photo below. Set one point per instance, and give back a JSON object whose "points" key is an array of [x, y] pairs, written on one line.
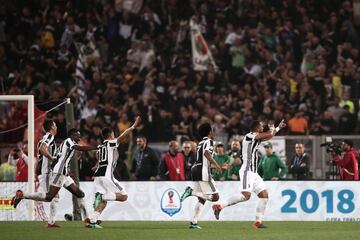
{"points": [[331, 147]]}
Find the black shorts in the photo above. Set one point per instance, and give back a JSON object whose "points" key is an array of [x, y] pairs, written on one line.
{"points": [[196, 173]]}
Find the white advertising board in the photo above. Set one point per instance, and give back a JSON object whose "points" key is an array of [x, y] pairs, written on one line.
{"points": [[159, 201]]}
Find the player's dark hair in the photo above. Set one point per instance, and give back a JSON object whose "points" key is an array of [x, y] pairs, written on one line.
{"points": [[204, 130], [106, 132], [349, 142], [254, 125], [142, 137], [48, 124], [72, 132]]}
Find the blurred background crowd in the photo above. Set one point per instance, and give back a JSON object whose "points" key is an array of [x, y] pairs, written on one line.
{"points": [[282, 59]]}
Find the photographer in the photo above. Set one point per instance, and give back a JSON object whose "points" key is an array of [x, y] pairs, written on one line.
{"points": [[348, 164], [19, 158]]}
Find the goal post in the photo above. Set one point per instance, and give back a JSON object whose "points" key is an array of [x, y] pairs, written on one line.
{"points": [[31, 144]]}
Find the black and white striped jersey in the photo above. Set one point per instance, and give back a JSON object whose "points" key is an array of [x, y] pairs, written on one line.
{"points": [[107, 155], [65, 153], [250, 155], [201, 168], [44, 164]]}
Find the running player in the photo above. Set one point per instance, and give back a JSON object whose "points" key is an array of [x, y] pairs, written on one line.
{"points": [[107, 188], [204, 184], [46, 154], [250, 181], [60, 174]]}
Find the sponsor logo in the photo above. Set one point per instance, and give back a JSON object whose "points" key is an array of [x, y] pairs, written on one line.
{"points": [[5, 203], [170, 202]]}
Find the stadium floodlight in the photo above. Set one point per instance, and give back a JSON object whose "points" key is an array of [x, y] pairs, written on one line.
{"points": [[31, 136]]}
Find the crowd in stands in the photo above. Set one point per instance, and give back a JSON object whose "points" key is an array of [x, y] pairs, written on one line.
{"points": [[296, 60], [282, 59]]}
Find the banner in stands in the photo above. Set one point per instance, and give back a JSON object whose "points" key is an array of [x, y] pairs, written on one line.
{"points": [[289, 200], [201, 54]]}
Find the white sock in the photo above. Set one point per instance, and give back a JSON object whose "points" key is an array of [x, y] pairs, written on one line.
{"points": [[260, 209], [94, 217], [202, 195], [234, 200], [109, 197], [53, 208], [198, 209], [38, 196], [83, 208]]}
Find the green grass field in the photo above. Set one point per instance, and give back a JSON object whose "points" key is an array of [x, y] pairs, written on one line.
{"points": [[178, 230]]}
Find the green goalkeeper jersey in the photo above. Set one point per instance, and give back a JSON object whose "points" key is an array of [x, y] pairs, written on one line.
{"points": [[271, 166]]}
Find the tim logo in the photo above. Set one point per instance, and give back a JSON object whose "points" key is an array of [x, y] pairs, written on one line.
{"points": [[5, 204], [170, 202]]}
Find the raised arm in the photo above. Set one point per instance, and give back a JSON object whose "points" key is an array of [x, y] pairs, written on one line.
{"points": [[269, 134], [123, 136], [84, 148]]}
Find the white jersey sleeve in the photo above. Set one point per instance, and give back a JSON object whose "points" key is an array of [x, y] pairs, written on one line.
{"points": [[70, 143], [47, 139], [250, 136], [209, 146]]}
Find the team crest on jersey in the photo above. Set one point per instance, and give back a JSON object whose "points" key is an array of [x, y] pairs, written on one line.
{"points": [[170, 202]]}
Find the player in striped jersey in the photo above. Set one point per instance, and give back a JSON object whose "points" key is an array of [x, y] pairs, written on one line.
{"points": [[204, 184], [107, 188], [46, 154], [250, 181], [60, 175]]}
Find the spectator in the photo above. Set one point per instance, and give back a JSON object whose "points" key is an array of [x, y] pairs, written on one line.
{"points": [[19, 158], [299, 164], [348, 164], [269, 65], [224, 162], [235, 149], [193, 146], [145, 163], [219, 128], [347, 121], [271, 167], [7, 172], [298, 125], [172, 166], [236, 162], [189, 157]]}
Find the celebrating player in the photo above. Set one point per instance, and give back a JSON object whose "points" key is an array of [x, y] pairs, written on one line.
{"points": [[106, 186], [46, 154], [204, 184], [60, 175], [250, 181]]}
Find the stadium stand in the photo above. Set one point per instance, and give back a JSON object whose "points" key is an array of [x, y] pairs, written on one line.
{"points": [[297, 60]]}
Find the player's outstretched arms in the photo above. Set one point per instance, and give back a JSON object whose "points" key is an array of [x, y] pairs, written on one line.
{"points": [[85, 148], [123, 136]]}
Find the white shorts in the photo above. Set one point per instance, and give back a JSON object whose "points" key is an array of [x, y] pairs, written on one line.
{"points": [[44, 184], [60, 180], [206, 187], [251, 182], [105, 185]]}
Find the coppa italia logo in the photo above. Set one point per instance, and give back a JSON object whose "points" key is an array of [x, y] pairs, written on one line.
{"points": [[5, 204], [170, 202], [200, 45]]}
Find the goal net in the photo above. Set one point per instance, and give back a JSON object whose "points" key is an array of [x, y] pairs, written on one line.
{"points": [[20, 129]]}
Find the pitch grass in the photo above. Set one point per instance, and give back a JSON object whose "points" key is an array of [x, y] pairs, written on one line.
{"points": [[179, 230]]}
